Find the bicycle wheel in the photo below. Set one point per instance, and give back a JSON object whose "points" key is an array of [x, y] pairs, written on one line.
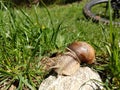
{"points": [[97, 10]]}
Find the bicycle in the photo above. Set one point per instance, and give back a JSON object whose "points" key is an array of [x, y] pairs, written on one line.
{"points": [[97, 10]]}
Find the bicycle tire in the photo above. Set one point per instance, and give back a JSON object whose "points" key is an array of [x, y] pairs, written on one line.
{"points": [[88, 13]]}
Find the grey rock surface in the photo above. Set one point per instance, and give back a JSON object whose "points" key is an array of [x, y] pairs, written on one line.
{"points": [[84, 79]]}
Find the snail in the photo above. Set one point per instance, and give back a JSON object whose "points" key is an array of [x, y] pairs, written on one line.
{"points": [[69, 62]]}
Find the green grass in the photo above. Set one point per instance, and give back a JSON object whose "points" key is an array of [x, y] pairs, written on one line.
{"points": [[28, 34], [114, 63]]}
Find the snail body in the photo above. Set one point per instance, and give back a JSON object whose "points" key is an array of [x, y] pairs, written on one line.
{"points": [[66, 65]]}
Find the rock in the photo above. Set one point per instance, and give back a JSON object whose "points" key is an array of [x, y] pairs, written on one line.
{"points": [[84, 79]]}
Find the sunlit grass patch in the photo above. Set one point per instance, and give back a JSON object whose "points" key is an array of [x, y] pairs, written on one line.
{"points": [[28, 34]]}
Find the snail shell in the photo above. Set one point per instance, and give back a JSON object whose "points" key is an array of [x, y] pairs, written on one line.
{"points": [[84, 51]]}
